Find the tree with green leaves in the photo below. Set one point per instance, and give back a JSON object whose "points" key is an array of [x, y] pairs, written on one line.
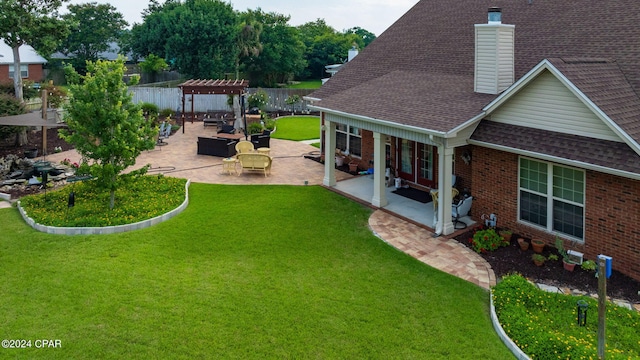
{"points": [[93, 27], [282, 51], [30, 22], [326, 46], [366, 36], [152, 65], [196, 37], [105, 126]]}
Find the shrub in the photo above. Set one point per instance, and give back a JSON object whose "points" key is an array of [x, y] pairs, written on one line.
{"points": [[166, 112], [254, 128], [270, 124], [10, 105], [57, 95], [589, 265], [484, 240], [149, 109], [258, 99]]}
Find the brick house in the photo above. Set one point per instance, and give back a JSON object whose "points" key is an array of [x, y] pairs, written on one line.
{"points": [[30, 63], [533, 105]]}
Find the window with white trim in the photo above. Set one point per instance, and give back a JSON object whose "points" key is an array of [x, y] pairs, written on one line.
{"points": [[24, 71], [552, 196], [349, 138]]}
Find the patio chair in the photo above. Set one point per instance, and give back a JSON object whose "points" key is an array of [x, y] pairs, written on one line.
{"points": [[244, 147], [165, 131], [459, 210]]}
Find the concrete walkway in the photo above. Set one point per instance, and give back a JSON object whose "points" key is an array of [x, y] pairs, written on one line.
{"points": [[179, 159]]}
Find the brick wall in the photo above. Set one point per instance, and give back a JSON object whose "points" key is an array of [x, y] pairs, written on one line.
{"points": [[36, 73], [612, 218]]}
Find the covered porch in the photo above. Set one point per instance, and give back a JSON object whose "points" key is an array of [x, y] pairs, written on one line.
{"points": [[376, 191], [361, 187]]}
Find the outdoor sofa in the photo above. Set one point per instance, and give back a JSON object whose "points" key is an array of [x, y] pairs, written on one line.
{"points": [[216, 146]]}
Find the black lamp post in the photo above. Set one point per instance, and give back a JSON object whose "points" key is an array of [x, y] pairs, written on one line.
{"points": [[582, 312]]}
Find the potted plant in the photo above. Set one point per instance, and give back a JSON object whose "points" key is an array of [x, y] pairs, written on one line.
{"points": [[566, 261], [537, 245], [506, 234], [538, 259], [524, 245], [353, 165]]}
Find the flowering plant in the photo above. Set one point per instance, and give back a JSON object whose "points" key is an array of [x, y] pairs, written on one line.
{"points": [[486, 239]]}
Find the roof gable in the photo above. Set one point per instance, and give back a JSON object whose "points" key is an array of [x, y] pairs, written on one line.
{"points": [[586, 97]]}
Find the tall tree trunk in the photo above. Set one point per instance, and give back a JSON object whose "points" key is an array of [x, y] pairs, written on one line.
{"points": [[21, 136], [17, 74]]}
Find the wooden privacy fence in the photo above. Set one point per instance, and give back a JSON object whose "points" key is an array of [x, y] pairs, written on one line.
{"points": [[171, 98]]}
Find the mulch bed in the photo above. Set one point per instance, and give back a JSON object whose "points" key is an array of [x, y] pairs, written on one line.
{"points": [[511, 259]]}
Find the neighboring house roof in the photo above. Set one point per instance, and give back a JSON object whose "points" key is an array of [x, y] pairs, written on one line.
{"points": [[420, 71], [27, 55], [111, 54]]}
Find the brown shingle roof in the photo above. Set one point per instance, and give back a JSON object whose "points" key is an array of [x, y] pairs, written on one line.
{"points": [[434, 41], [604, 153], [406, 104], [605, 85]]}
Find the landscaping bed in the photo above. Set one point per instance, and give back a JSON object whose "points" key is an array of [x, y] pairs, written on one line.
{"points": [[511, 259]]}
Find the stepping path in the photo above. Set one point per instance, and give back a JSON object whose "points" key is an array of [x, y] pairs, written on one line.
{"points": [[444, 254]]}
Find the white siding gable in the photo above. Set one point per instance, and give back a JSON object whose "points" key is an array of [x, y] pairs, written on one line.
{"points": [[547, 104]]}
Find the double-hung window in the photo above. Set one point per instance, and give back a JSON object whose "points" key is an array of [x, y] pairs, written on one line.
{"points": [[24, 71], [552, 196], [349, 138]]}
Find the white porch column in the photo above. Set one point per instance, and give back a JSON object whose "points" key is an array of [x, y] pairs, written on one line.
{"points": [[379, 164], [445, 169], [329, 153]]}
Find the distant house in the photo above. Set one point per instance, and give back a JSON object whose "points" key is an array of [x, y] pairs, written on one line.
{"points": [[334, 68], [534, 106], [30, 63]]}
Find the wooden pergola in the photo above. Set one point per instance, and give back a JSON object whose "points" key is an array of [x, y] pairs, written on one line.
{"points": [[210, 87]]}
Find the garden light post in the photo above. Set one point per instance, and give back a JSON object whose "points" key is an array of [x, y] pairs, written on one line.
{"points": [[582, 307]]}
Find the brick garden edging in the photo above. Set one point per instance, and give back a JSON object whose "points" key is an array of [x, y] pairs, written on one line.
{"points": [[107, 229]]}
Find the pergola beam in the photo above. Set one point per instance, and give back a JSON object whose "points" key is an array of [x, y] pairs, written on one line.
{"points": [[210, 87]]}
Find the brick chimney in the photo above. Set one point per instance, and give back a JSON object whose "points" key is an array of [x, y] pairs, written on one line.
{"points": [[494, 57]]}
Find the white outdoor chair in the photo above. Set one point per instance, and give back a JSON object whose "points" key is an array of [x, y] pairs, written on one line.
{"points": [[459, 210]]}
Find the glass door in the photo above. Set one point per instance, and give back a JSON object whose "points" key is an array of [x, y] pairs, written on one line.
{"points": [[426, 165], [407, 154]]}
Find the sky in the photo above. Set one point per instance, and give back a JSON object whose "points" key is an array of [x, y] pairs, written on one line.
{"points": [[372, 15]]}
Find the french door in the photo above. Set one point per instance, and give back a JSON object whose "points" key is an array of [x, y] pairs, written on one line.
{"points": [[417, 162]]}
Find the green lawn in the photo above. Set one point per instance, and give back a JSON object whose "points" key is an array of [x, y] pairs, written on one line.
{"points": [[297, 128], [308, 84], [246, 272]]}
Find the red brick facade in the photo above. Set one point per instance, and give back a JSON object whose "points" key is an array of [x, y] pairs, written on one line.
{"points": [[612, 208], [36, 73]]}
